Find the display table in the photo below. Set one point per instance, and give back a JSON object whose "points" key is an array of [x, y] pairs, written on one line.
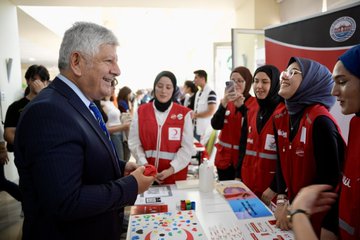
{"points": [[212, 210]]}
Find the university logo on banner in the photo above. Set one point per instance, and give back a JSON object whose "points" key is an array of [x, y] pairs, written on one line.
{"points": [[342, 29]]}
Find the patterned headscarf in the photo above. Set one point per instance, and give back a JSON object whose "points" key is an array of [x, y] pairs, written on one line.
{"points": [[315, 87]]}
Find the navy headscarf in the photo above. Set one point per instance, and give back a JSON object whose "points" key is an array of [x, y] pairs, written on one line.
{"points": [[162, 107], [351, 60], [268, 105], [315, 87]]}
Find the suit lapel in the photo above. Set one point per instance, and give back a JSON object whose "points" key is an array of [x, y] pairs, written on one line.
{"points": [[80, 107]]}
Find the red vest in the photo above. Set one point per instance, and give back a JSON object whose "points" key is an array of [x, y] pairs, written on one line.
{"points": [[229, 138], [297, 157], [259, 164], [350, 189], [161, 143]]}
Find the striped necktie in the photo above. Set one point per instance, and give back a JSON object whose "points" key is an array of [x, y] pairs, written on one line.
{"points": [[101, 122]]}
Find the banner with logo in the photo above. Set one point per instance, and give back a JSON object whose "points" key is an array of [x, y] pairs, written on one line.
{"points": [[322, 38]]}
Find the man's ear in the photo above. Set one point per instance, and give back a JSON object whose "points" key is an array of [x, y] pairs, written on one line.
{"points": [[76, 61]]}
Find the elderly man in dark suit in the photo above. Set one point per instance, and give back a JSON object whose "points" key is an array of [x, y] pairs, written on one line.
{"points": [[73, 183]]}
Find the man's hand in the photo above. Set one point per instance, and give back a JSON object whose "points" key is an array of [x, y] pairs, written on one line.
{"points": [[130, 167], [143, 181]]}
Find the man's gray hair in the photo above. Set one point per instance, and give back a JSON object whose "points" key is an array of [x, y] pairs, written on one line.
{"points": [[84, 37]]}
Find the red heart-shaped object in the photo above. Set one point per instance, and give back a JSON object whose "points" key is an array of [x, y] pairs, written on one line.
{"points": [[150, 170]]}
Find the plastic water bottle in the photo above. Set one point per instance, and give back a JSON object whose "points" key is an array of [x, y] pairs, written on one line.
{"points": [[206, 176]]}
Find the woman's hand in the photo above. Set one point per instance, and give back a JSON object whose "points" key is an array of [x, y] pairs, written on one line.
{"points": [[280, 214], [160, 177], [229, 96], [314, 198], [239, 101], [267, 196]]}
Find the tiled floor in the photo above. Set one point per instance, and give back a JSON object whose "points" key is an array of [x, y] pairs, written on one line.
{"points": [[10, 220]]}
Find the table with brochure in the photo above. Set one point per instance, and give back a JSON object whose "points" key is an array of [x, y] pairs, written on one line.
{"points": [[229, 211]]}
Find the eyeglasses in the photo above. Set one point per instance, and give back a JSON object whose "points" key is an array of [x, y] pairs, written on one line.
{"points": [[239, 81], [114, 82], [289, 73]]}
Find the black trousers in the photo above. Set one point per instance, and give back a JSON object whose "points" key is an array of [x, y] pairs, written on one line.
{"points": [[226, 174], [9, 187]]}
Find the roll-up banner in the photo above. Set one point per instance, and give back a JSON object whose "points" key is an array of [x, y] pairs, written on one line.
{"points": [[322, 38]]}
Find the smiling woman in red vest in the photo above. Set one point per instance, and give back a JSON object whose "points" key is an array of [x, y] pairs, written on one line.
{"points": [[259, 164], [317, 198], [230, 118], [161, 132], [309, 141]]}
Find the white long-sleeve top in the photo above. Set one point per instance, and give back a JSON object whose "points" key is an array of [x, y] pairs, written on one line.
{"points": [[183, 155]]}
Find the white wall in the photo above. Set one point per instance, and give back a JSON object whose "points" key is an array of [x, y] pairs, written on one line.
{"points": [[9, 48], [291, 10]]}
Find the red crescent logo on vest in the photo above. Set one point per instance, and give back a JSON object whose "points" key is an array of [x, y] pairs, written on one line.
{"points": [[180, 116]]}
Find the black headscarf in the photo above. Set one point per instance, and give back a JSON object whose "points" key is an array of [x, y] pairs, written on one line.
{"points": [[268, 105], [162, 107]]}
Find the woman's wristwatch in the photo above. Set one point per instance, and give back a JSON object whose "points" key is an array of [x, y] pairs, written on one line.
{"points": [[296, 211]]}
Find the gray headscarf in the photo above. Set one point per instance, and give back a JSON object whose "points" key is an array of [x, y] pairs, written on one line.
{"points": [[315, 87]]}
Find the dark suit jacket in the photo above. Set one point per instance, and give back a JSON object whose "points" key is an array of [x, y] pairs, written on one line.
{"points": [[72, 183]]}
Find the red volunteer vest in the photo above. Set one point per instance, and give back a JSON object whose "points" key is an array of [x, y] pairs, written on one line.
{"points": [[229, 138], [297, 158], [259, 164], [161, 148], [350, 189]]}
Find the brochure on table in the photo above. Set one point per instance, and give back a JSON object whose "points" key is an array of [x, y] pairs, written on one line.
{"points": [[246, 216], [178, 225], [243, 202]]}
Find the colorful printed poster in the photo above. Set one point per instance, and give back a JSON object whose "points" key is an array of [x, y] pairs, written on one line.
{"points": [[233, 190], [249, 208], [263, 229], [181, 225]]}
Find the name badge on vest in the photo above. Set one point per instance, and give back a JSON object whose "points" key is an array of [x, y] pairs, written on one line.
{"points": [[174, 134], [270, 143], [303, 135]]}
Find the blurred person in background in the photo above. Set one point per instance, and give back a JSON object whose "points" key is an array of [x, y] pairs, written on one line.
{"points": [[189, 90], [204, 108], [37, 78]]}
